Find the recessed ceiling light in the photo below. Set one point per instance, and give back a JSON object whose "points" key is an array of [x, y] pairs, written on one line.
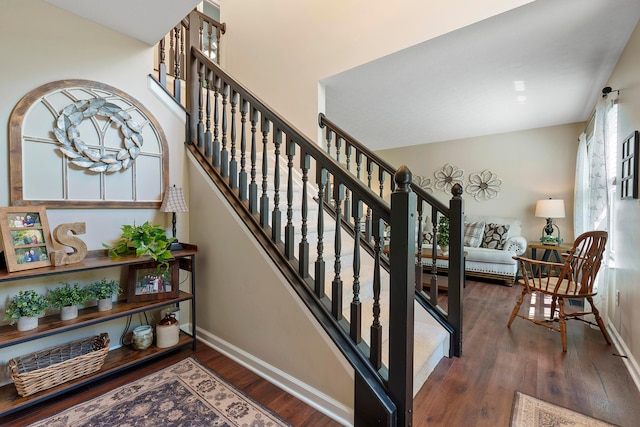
{"points": [[522, 99], [519, 86]]}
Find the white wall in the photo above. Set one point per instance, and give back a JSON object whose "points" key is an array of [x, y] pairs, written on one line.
{"points": [[532, 164], [281, 49], [626, 236], [42, 43]]}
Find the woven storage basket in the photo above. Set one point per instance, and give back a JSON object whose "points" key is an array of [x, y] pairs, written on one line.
{"points": [[47, 368]]}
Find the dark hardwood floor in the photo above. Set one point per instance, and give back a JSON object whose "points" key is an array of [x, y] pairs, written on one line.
{"points": [[476, 389]]}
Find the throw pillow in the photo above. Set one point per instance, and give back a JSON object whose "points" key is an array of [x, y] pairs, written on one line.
{"points": [[473, 233], [495, 236]]}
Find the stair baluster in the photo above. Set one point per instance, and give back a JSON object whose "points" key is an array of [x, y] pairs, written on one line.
{"points": [[321, 181], [224, 153], [233, 163], [336, 285], [216, 123], [200, 128], [253, 186], [244, 109], [208, 139], [356, 305], [303, 251], [264, 199], [276, 216]]}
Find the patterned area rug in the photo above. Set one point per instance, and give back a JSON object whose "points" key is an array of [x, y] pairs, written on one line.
{"points": [[531, 412], [184, 394]]}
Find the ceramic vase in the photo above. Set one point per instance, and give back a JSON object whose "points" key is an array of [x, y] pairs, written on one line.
{"points": [[69, 312], [105, 304], [26, 323]]}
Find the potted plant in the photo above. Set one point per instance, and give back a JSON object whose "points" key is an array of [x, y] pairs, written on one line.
{"points": [[146, 239], [25, 308], [443, 234], [102, 291], [67, 297]]}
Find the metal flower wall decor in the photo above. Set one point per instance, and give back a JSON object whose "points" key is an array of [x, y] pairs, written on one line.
{"points": [[423, 182], [447, 177], [484, 185]]}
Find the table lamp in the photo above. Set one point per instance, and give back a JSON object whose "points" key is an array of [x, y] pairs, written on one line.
{"points": [[174, 202], [549, 209]]}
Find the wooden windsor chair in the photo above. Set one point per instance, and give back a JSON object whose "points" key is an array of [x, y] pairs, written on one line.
{"points": [[574, 279]]}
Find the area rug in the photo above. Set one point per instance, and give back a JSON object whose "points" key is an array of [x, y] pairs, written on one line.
{"points": [[183, 394], [531, 412]]}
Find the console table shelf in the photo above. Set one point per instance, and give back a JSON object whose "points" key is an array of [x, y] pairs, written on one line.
{"points": [[116, 360]]}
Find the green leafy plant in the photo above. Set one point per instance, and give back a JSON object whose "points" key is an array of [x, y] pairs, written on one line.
{"points": [[145, 239], [443, 231], [104, 289], [27, 303], [67, 295]]}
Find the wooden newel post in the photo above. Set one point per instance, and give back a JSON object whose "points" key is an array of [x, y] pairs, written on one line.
{"points": [[456, 265], [402, 281]]}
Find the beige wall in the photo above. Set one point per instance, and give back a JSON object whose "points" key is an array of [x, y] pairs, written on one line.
{"points": [[281, 49], [42, 43], [626, 236], [242, 303], [532, 164]]}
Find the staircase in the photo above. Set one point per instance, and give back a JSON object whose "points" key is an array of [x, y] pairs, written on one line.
{"points": [[325, 226], [431, 342]]}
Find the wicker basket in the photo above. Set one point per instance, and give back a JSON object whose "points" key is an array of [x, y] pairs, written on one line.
{"points": [[47, 368]]}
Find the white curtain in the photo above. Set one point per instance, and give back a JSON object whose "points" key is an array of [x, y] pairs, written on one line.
{"points": [[594, 187], [581, 191]]}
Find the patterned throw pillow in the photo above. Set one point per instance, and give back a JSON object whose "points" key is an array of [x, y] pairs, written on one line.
{"points": [[473, 233], [495, 236]]}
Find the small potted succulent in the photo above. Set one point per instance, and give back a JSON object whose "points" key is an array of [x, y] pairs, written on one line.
{"points": [[103, 291], [25, 308], [67, 297]]}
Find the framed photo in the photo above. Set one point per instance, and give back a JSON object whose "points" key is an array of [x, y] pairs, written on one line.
{"points": [[148, 283], [629, 167], [26, 237]]}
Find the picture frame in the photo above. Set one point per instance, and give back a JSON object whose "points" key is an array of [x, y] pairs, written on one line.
{"points": [[147, 282], [26, 237], [629, 166]]}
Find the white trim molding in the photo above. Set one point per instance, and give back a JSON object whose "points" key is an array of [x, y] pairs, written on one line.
{"points": [[315, 398], [627, 357]]}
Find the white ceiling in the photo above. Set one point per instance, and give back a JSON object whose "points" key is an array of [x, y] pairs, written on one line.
{"points": [[462, 84], [144, 20]]}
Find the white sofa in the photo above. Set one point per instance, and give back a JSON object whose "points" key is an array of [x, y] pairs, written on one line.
{"points": [[491, 255]]}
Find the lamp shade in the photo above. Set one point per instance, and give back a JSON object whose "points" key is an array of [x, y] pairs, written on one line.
{"points": [[550, 208], [173, 200]]}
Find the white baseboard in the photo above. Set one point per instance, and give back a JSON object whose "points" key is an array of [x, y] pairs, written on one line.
{"points": [[630, 362], [315, 398]]}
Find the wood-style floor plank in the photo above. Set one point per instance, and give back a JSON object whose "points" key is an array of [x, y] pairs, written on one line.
{"points": [[476, 389]]}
